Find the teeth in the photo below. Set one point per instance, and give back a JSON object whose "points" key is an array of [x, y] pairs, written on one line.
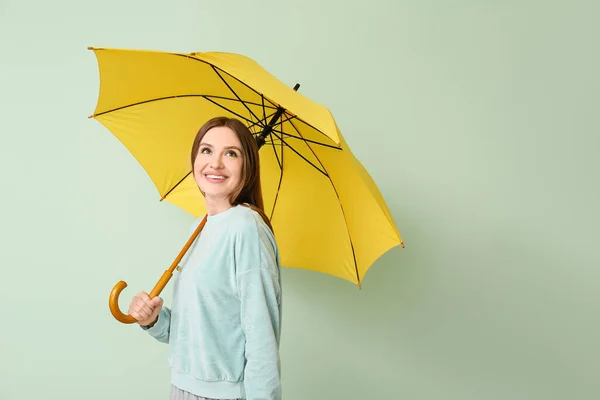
{"points": [[215, 176]]}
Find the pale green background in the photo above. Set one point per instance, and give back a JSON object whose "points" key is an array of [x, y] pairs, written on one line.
{"points": [[478, 121]]}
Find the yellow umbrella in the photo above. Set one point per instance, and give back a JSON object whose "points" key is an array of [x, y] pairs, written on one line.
{"points": [[326, 211]]}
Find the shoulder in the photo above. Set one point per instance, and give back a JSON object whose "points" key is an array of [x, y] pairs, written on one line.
{"points": [[250, 221], [253, 237]]}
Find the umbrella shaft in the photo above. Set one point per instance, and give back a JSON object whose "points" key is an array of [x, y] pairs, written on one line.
{"points": [[261, 139]]}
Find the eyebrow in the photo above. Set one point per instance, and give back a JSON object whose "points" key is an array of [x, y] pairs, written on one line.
{"points": [[226, 148]]}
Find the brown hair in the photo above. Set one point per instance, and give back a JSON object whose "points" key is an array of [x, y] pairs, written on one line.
{"points": [[249, 192]]}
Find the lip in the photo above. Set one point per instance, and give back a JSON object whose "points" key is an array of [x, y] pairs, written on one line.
{"points": [[215, 180]]}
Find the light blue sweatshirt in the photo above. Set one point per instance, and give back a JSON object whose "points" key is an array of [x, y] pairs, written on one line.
{"points": [[224, 324]]}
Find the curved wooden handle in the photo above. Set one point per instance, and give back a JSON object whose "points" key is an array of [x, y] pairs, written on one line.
{"points": [[113, 304], [113, 300]]}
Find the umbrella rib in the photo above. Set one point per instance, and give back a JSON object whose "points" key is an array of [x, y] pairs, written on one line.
{"points": [[276, 141], [262, 99], [282, 120], [204, 96], [247, 102], [308, 140], [214, 67], [234, 93], [273, 140], [307, 124], [191, 57], [300, 155], [341, 207], [231, 111], [250, 125], [173, 188], [261, 123], [146, 101], [280, 177], [280, 163], [291, 117]]}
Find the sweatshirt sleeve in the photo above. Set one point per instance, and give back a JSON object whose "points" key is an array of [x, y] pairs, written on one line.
{"points": [[161, 329], [260, 298]]}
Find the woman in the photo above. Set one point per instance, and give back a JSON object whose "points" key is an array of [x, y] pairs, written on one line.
{"points": [[224, 323]]}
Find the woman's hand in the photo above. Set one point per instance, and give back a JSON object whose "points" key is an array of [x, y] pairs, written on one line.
{"points": [[144, 309]]}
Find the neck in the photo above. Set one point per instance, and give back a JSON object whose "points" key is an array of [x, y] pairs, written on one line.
{"points": [[217, 205]]}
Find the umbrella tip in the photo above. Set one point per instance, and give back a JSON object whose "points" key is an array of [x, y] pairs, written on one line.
{"points": [[90, 48], [402, 244], [90, 116]]}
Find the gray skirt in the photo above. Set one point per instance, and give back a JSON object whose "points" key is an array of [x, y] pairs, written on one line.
{"points": [[178, 394]]}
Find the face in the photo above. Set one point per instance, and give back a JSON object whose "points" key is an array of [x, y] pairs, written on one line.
{"points": [[218, 165]]}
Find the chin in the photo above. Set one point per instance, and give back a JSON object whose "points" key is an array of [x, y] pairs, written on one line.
{"points": [[216, 195]]}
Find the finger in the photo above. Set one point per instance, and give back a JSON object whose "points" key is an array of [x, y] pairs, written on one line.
{"points": [[143, 295], [142, 316], [147, 301], [133, 307], [143, 308], [156, 302], [139, 298], [137, 315]]}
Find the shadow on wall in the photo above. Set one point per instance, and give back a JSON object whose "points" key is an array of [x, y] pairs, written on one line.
{"points": [[474, 305]]}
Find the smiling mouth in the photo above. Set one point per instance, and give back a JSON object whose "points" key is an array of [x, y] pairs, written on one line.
{"points": [[215, 177]]}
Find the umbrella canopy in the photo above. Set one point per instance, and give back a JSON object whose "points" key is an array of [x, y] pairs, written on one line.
{"points": [[326, 211]]}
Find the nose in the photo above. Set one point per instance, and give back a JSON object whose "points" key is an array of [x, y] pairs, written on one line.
{"points": [[216, 162]]}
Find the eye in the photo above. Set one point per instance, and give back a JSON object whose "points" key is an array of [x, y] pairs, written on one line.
{"points": [[205, 150], [231, 153]]}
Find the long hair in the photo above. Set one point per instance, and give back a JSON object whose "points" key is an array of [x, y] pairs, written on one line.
{"points": [[249, 191]]}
